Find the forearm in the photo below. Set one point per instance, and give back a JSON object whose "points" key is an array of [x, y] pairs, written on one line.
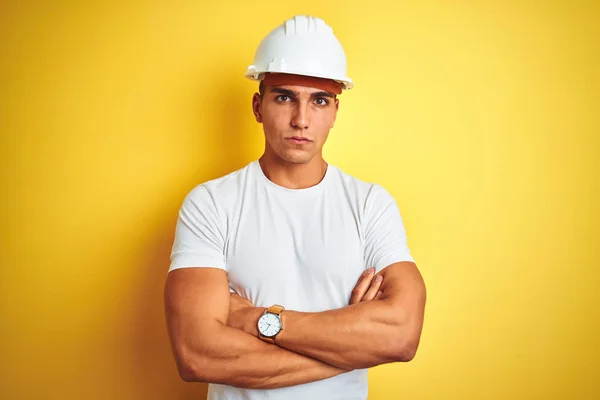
{"points": [[364, 334], [358, 336], [238, 359]]}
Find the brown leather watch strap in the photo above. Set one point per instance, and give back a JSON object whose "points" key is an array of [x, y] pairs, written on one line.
{"points": [[267, 339], [276, 309]]}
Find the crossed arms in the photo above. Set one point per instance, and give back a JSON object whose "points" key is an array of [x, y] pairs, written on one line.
{"points": [[214, 339]]}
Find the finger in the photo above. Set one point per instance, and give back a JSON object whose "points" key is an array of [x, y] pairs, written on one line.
{"points": [[378, 295], [373, 289], [356, 291], [361, 286]]}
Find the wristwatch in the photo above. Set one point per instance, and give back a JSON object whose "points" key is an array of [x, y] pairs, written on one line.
{"points": [[269, 324]]}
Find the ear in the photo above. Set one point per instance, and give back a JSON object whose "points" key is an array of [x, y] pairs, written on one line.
{"points": [[256, 108]]}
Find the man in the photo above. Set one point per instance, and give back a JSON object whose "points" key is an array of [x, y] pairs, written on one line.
{"points": [[321, 282]]}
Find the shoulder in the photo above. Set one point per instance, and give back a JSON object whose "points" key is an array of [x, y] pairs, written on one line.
{"points": [[366, 192], [350, 182], [214, 190]]}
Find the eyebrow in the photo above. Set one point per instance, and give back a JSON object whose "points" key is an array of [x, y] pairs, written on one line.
{"points": [[295, 94]]}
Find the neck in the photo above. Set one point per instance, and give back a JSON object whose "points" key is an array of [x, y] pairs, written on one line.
{"points": [[293, 176]]}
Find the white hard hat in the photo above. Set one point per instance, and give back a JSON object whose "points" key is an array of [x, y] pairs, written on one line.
{"points": [[303, 45]]}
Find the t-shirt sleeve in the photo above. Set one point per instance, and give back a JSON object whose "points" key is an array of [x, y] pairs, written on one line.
{"points": [[385, 236], [199, 236]]}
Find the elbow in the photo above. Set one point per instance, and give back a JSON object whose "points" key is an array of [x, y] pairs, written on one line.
{"points": [[405, 350], [188, 375], [406, 338], [192, 368], [195, 373], [403, 343], [188, 372], [202, 374], [202, 368], [408, 352]]}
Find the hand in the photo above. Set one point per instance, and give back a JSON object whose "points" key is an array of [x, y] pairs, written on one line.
{"points": [[243, 315], [367, 287]]}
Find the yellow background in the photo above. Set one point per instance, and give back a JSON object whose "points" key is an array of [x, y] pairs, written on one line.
{"points": [[481, 118]]}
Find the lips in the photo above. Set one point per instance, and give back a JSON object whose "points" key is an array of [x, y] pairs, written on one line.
{"points": [[298, 139]]}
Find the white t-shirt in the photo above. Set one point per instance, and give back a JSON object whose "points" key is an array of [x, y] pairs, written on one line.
{"points": [[302, 248]]}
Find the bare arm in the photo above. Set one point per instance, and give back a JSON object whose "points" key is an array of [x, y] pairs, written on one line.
{"points": [[368, 333], [363, 334], [207, 350]]}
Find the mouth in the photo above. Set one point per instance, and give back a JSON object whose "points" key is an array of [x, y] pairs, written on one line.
{"points": [[298, 140]]}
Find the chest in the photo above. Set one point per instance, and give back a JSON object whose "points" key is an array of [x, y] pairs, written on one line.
{"points": [[306, 257]]}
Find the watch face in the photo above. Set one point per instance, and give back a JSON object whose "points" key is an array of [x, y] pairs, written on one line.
{"points": [[269, 325]]}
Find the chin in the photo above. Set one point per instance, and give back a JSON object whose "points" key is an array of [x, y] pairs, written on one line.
{"points": [[297, 157]]}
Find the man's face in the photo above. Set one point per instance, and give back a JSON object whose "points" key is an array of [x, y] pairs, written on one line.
{"points": [[296, 120]]}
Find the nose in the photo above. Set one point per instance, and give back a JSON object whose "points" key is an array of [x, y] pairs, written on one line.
{"points": [[300, 119]]}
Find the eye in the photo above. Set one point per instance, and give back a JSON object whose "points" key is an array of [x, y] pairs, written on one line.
{"points": [[283, 98], [321, 101]]}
